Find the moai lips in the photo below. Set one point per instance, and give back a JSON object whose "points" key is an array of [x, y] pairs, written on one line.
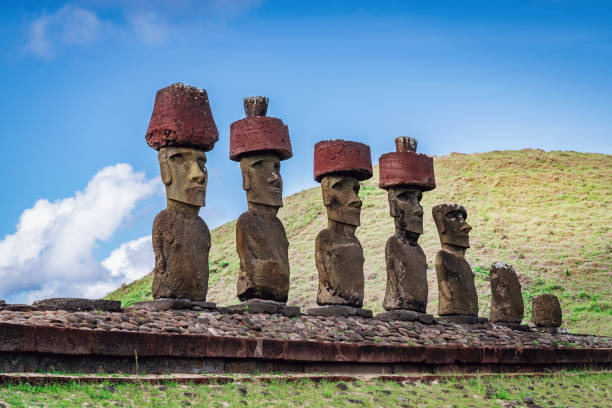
{"points": [[506, 299], [182, 117], [339, 165], [405, 174], [182, 129], [456, 289], [260, 143]]}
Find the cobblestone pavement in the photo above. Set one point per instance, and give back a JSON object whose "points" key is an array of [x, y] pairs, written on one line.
{"points": [[329, 329]]}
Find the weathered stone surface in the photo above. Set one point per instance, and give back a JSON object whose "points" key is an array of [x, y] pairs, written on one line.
{"points": [[261, 240], [514, 326], [405, 316], [341, 157], [182, 117], [259, 134], [265, 306], [338, 252], [181, 242], [406, 167], [255, 106], [17, 307], [546, 311], [506, 298], [2, 302], [78, 304], [464, 319], [183, 171], [456, 289], [339, 310]]}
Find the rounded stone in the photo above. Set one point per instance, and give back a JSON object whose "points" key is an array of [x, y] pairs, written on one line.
{"points": [[546, 311], [182, 117], [342, 157], [259, 134]]}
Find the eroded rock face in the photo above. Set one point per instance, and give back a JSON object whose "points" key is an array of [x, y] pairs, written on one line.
{"points": [[181, 242], [546, 311], [456, 289], [506, 297]]}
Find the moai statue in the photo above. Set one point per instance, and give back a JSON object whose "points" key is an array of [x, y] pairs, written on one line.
{"points": [[182, 129], [405, 175], [260, 143], [456, 289], [546, 314], [339, 166], [507, 305]]}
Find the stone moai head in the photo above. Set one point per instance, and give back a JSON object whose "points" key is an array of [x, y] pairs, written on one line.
{"points": [[182, 129], [452, 226], [405, 175], [260, 143], [339, 166], [183, 171]]}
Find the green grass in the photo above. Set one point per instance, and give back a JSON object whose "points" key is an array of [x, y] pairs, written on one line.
{"points": [[546, 213], [593, 390]]}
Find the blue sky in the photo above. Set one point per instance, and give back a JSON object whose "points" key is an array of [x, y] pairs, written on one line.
{"points": [[79, 80]]}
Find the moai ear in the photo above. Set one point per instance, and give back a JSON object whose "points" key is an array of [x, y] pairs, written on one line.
{"points": [[325, 189], [164, 169]]}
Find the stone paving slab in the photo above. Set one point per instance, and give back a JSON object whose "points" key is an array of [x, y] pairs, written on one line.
{"points": [[163, 304], [405, 316], [77, 304], [339, 310], [464, 319], [265, 306]]}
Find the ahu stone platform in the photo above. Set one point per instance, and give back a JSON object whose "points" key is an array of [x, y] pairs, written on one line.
{"points": [[188, 341]]}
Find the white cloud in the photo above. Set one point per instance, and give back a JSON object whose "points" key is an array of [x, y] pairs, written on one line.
{"points": [[50, 254], [149, 27], [70, 25], [132, 260]]}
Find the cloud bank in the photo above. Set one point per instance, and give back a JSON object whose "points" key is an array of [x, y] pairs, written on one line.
{"points": [[50, 254]]}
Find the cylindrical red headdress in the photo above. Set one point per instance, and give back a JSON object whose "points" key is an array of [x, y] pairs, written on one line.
{"points": [[342, 157], [258, 132], [182, 117], [405, 167]]}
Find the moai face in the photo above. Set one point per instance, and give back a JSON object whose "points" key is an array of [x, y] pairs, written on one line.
{"points": [[262, 180], [405, 208], [183, 171], [341, 197], [453, 227]]}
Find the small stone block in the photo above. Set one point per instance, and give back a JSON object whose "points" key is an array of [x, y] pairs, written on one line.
{"points": [[406, 316], [464, 319], [551, 330], [78, 304], [514, 326], [165, 304], [291, 311], [339, 310], [264, 306], [205, 305]]}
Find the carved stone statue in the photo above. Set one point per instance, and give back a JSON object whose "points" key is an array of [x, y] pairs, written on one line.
{"points": [[405, 175], [456, 288], [339, 166], [182, 129], [260, 143], [506, 299]]}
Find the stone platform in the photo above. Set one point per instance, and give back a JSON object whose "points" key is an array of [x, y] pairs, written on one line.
{"points": [[339, 310], [265, 306], [188, 341]]}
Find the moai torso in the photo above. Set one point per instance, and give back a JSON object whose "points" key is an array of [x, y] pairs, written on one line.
{"points": [[406, 276], [456, 290], [181, 245], [339, 259], [261, 242]]}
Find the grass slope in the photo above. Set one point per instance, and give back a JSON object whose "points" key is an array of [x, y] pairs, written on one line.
{"points": [[592, 390], [546, 213]]}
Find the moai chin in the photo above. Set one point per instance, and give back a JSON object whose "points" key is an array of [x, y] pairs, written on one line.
{"points": [[182, 129], [260, 143], [405, 175], [456, 289], [339, 166]]}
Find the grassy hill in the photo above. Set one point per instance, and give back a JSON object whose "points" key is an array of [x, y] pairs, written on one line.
{"points": [[546, 213]]}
